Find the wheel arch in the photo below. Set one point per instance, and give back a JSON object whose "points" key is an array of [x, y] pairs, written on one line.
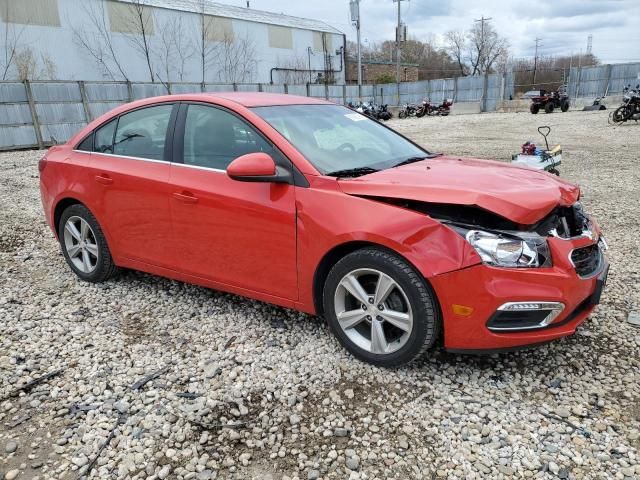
{"points": [[340, 251], [60, 207]]}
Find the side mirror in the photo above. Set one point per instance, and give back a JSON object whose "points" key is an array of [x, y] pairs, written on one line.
{"points": [[257, 167]]}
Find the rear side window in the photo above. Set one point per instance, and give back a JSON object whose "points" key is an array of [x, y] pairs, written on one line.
{"points": [[142, 133], [213, 138]]}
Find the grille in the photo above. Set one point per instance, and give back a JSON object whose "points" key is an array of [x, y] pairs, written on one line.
{"points": [[586, 260]]}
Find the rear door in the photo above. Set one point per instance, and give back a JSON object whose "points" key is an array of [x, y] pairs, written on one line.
{"points": [[129, 175], [241, 234]]}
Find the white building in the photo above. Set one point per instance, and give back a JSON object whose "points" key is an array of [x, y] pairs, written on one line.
{"points": [[169, 40]]}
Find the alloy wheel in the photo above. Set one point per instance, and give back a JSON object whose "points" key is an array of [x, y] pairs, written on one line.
{"points": [[373, 311], [80, 244]]}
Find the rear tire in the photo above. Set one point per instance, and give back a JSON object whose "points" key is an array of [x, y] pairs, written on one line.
{"points": [[393, 316], [402, 114], [84, 246], [534, 108], [548, 108], [564, 106]]}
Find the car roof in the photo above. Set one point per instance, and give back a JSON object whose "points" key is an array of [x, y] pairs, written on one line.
{"points": [[263, 99]]}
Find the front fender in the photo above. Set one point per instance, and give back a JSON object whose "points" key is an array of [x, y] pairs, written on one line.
{"points": [[328, 218]]}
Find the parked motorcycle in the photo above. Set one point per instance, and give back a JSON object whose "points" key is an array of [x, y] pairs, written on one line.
{"points": [[372, 110], [630, 108], [431, 109], [408, 110]]}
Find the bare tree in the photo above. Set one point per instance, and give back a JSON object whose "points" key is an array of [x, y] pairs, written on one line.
{"points": [[237, 59], [206, 50], [97, 41], [10, 48], [31, 67], [485, 46], [478, 51], [298, 73], [172, 52], [455, 45], [139, 23]]}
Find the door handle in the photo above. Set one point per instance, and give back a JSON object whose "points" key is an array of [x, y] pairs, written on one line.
{"points": [[104, 179], [185, 197]]}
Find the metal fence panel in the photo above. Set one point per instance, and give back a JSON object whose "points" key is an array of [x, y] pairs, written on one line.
{"points": [[216, 87], [146, 90], [15, 113], [56, 92], [60, 113], [494, 87], [60, 132], [470, 89], [17, 137], [12, 92], [297, 90], [623, 75], [317, 91], [100, 108], [97, 92], [178, 88], [275, 89], [249, 87]]}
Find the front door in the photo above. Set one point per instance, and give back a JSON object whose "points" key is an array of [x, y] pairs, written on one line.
{"points": [[129, 178], [240, 234]]}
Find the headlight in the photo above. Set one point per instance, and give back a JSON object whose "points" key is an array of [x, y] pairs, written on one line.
{"points": [[513, 249]]}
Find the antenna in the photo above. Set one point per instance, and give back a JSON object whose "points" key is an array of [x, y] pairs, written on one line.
{"points": [[589, 44]]}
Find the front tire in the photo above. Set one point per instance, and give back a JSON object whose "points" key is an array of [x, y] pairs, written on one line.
{"points": [[565, 106], [534, 108], [380, 309], [548, 108], [84, 246]]}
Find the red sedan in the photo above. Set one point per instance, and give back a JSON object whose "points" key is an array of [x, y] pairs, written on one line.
{"points": [[309, 205]]}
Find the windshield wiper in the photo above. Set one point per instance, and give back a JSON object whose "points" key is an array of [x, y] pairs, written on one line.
{"points": [[351, 172], [409, 160]]}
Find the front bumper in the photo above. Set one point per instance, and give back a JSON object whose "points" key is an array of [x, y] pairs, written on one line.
{"points": [[482, 290]]}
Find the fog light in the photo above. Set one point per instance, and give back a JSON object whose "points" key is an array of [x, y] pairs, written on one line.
{"points": [[513, 316]]}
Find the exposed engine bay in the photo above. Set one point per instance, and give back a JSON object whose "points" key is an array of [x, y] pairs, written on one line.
{"points": [[562, 222]]}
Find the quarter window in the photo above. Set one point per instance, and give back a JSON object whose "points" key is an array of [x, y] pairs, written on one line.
{"points": [[142, 133], [213, 138], [104, 138]]}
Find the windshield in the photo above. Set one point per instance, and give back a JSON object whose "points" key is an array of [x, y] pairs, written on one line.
{"points": [[334, 138]]}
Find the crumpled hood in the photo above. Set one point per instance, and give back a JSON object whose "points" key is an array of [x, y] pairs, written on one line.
{"points": [[519, 194]]}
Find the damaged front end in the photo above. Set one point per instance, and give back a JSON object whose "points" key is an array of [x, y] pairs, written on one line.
{"points": [[501, 242]]}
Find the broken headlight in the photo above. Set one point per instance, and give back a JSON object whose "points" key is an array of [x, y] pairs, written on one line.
{"points": [[512, 249]]}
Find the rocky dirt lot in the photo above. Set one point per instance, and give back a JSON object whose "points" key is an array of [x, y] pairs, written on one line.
{"points": [[243, 390]]}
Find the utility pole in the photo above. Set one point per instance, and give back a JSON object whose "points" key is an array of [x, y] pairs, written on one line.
{"points": [[355, 19], [535, 61], [481, 50], [398, 36]]}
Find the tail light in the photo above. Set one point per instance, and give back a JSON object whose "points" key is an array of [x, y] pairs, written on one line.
{"points": [[42, 164]]}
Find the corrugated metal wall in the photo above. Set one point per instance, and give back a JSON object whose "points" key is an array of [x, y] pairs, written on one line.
{"points": [[602, 80]]}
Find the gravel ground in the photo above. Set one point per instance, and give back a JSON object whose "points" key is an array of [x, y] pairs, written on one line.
{"points": [[247, 390]]}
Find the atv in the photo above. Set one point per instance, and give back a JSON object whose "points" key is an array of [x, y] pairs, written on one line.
{"points": [[549, 101]]}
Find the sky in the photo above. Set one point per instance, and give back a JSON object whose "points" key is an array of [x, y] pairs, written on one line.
{"points": [[563, 25]]}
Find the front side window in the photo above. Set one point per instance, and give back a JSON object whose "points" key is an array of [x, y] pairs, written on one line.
{"points": [[213, 138], [142, 133], [335, 138]]}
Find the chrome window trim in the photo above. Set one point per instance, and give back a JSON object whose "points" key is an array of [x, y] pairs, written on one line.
{"points": [[124, 156], [556, 309], [217, 170], [198, 167]]}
